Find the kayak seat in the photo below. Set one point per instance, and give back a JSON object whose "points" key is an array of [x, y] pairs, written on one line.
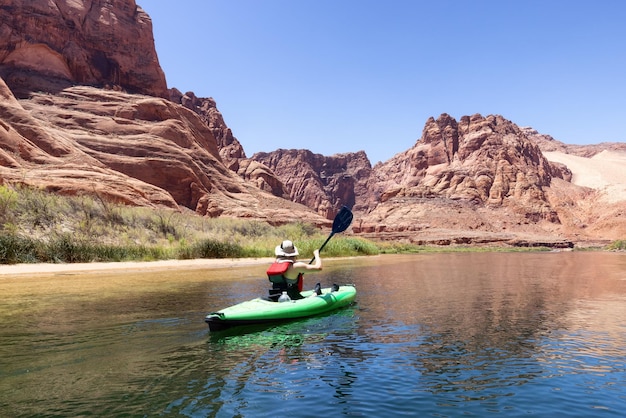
{"points": [[273, 295], [291, 289]]}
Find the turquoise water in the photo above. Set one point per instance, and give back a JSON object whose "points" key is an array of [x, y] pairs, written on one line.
{"points": [[439, 335]]}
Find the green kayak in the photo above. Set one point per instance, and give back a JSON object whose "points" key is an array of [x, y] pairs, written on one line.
{"points": [[262, 310]]}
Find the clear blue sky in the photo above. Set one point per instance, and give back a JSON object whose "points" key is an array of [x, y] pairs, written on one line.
{"points": [[338, 76]]}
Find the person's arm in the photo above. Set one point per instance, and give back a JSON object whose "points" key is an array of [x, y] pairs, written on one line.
{"points": [[299, 265]]}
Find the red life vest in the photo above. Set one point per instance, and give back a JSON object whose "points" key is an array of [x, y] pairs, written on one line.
{"points": [[276, 274]]}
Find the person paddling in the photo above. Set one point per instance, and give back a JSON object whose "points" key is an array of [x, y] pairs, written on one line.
{"points": [[286, 272]]}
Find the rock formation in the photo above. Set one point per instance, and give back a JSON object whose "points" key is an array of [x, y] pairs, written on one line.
{"points": [[77, 124], [480, 180], [46, 45], [487, 160], [133, 149], [323, 183], [229, 147], [37, 152]]}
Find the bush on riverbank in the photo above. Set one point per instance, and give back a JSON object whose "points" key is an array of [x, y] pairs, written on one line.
{"points": [[619, 245]]}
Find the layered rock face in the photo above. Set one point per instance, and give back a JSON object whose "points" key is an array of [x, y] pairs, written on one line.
{"points": [[36, 151], [137, 150], [323, 183], [46, 45], [77, 125], [229, 147], [488, 160], [456, 173]]}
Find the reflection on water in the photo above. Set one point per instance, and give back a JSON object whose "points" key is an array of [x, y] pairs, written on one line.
{"points": [[430, 335]]}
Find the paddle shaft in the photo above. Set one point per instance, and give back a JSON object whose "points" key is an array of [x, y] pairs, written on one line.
{"points": [[323, 245], [340, 224]]}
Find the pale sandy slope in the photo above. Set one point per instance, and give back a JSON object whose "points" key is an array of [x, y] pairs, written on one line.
{"points": [[605, 172]]}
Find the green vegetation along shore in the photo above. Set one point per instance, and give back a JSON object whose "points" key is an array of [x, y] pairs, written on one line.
{"points": [[41, 227]]}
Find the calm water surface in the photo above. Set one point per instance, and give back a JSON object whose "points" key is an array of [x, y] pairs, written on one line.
{"points": [[439, 335]]}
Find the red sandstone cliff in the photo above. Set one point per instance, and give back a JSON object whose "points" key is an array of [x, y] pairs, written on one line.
{"points": [[323, 183], [50, 44], [479, 180], [488, 160], [78, 125]]}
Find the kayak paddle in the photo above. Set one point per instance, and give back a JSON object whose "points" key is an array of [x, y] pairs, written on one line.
{"points": [[341, 223]]}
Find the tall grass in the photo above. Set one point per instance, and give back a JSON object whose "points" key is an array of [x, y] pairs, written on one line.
{"points": [[337, 247], [37, 226], [211, 248], [64, 249]]}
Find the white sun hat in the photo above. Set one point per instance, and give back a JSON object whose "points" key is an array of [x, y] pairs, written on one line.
{"points": [[286, 249]]}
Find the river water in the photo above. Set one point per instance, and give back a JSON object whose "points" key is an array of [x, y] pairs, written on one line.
{"points": [[430, 335]]}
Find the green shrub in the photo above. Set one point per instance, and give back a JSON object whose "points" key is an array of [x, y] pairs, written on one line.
{"points": [[617, 245], [211, 249], [252, 229], [64, 249], [14, 249], [39, 208], [8, 202]]}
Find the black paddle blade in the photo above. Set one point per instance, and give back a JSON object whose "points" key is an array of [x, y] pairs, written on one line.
{"points": [[342, 220]]}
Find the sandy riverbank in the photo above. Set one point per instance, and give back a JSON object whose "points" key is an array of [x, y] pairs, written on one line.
{"points": [[49, 268]]}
